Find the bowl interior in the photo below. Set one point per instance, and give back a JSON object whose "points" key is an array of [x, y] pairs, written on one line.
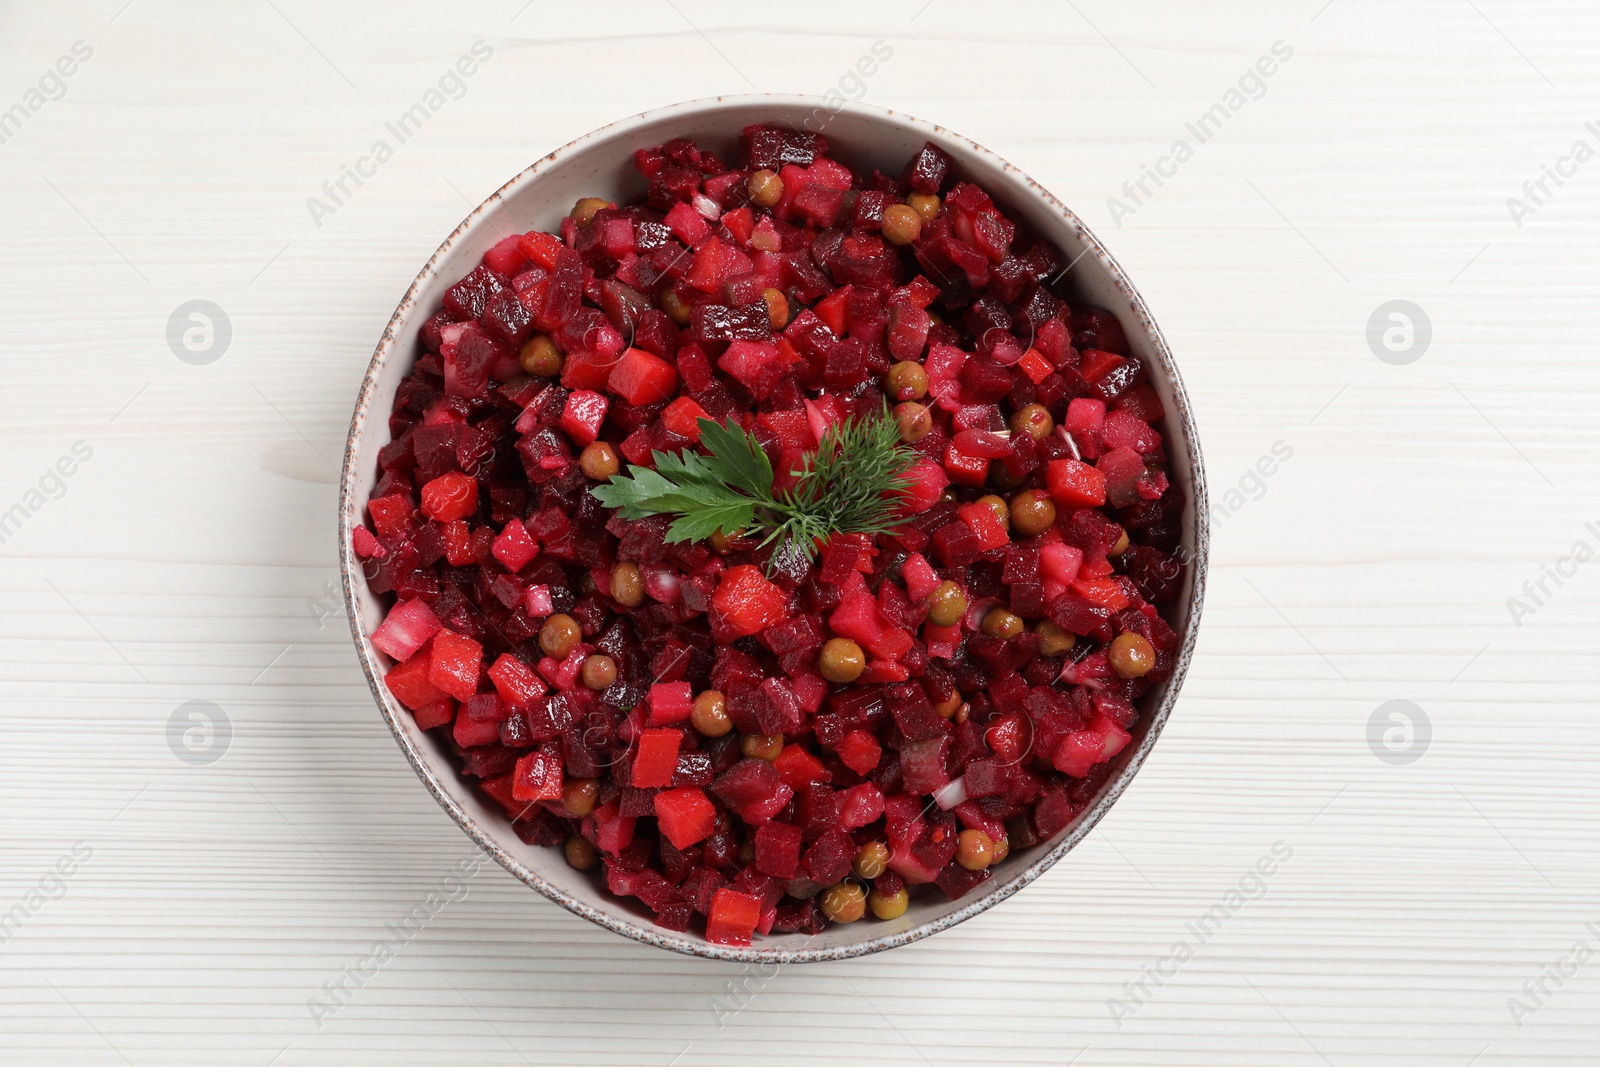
{"points": [[600, 165]]}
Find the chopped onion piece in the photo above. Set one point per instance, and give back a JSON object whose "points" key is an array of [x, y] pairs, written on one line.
{"points": [[1067, 437], [972, 621], [951, 795]]}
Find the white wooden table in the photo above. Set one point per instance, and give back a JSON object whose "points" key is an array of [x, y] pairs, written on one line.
{"points": [[1429, 911]]}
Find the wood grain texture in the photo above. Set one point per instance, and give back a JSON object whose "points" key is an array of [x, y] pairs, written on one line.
{"points": [[190, 557]]}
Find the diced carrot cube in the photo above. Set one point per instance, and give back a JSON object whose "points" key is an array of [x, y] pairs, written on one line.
{"points": [[514, 547], [455, 664], [585, 410], [670, 702], [985, 522], [642, 378], [537, 777], [516, 682], [682, 417], [409, 683], [1074, 483], [733, 917], [747, 601], [685, 815], [450, 496], [657, 758], [1035, 366]]}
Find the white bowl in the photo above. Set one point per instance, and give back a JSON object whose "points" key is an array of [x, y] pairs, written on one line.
{"points": [[599, 164]]}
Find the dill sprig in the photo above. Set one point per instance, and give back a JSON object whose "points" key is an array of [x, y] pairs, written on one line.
{"points": [[847, 486]]}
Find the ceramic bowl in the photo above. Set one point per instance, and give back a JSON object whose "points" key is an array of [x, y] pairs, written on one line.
{"points": [[598, 164]]}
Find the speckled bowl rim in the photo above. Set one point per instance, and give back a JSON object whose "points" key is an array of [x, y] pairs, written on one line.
{"points": [[1180, 420]]}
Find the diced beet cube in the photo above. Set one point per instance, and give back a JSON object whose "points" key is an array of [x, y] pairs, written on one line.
{"points": [[965, 469], [957, 881], [1077, 615], [840, 557], [928, 169], [613, 831], [1028, 599], [537, 602], [1060, 563], [845, 366], [754, 364], [829, 859], [1052, 814], [986, 777], [438, 713], [1021, 565], [922, 765], [787, 716], [818, 203], [750, 781], [700, 887], [908, 703], [471, 731], [467, 298], [778, 850], [981, 443], [687, 224], [799, 634], [694, 768], [505, 258], [857, 618], [1079, 751], [391, 516], [956, 544], [920, 577], [742, 322], [816, 809]]}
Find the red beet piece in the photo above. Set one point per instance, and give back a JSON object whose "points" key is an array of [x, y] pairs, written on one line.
{"points": [[778, 850]]}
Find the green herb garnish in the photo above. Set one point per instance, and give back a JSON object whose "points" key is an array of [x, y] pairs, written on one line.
{"points": [[845, 487]]}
